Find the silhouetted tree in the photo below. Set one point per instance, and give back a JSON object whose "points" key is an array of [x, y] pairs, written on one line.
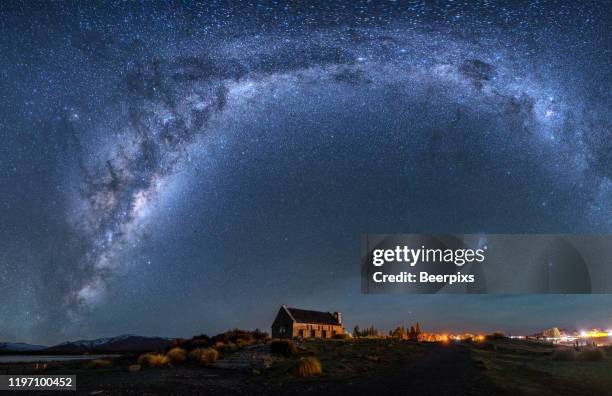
{"points": [[399, 332]]}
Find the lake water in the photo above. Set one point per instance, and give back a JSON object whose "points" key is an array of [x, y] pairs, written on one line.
{"points": [[48, 358]]}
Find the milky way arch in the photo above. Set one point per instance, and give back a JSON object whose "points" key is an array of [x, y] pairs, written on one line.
{"points": [[169, 104]]}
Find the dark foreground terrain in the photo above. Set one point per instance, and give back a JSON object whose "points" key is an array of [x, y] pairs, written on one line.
{"points": [[360, 367]]}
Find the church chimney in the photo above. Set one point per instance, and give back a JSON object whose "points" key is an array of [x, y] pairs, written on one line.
{"points": [[338, 317]]}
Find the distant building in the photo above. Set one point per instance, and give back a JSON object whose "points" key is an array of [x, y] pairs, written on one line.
{"points": [[294, 323]]}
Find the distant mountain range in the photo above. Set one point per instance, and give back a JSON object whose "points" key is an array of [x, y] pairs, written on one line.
{"points": [[120, 344], [20, 347]]}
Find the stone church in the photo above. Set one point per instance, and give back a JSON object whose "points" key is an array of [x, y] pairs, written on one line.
{"points": [[301, 323]]}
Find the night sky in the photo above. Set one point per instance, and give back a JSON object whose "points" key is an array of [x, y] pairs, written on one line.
{"points": [[172, 170]]}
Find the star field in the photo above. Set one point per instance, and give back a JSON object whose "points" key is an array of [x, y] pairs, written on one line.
{"points": [[175, 170]]}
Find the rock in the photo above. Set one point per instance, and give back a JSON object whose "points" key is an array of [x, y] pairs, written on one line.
{"points": [[252, 357]]}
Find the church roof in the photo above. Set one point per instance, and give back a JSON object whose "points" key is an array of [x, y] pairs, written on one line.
{"points": [[307, 316]]}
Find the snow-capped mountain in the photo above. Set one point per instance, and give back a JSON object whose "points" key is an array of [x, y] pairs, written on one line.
{"points": [[123, 343]]}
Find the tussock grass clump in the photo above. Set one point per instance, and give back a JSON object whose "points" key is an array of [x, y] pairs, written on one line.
{"points": [[307, 367], [204, 356], [100, 363], [564, 355], [591, 355], [283, 347], [208, 356], [176, 355], [153, 359]]}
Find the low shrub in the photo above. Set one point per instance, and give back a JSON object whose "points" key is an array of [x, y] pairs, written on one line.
{"points": [[177, 342], [307, 367], [342, 336], [153, 359], [199, 341], [283, 347], [245, 342], [195, 354], [235, 337], [239, 337], [564, 355], [496, 336], [176, 355], [591, 355]]}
